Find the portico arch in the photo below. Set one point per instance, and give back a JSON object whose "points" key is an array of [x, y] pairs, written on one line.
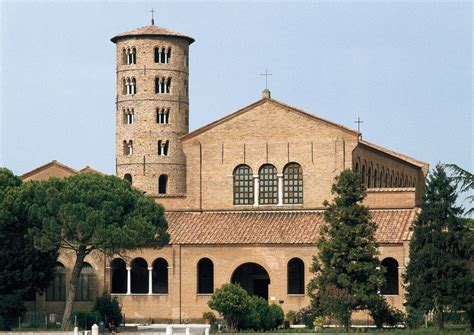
{"points": [[253, 278]]}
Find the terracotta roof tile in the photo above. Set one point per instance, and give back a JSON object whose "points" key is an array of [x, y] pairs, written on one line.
{"points": [[151, 30], [277, 227]]}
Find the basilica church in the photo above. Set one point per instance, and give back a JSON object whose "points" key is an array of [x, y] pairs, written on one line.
{"points": [[243, 195]]}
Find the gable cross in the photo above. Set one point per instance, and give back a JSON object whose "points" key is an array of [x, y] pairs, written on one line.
{"points": [[152, 17], [359, 121]]}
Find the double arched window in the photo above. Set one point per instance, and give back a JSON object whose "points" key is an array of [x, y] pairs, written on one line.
{"points": [[84, 288], [128, 148], [128, 115], [293, 184], [130, 56]]}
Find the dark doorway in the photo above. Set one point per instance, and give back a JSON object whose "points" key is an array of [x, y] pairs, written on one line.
{"points": [[253, 278]]}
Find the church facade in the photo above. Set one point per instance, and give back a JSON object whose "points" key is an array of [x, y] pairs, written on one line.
{"points": [[243, 195]]}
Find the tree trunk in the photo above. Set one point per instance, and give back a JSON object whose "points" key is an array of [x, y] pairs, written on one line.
{"points": [[76, 271], [440, 319]]}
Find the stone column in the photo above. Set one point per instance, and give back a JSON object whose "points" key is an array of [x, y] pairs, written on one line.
{"points": [[280, 189], [256, 184], [129, 280], [150, 280]]}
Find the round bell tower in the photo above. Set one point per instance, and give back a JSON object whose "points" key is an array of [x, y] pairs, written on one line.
{"points": [[152, 108]]}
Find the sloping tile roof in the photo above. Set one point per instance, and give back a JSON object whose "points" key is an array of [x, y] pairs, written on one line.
{"points": [[405, 158], [88, 169], [257, 103], [276, 227], [149, 31]]}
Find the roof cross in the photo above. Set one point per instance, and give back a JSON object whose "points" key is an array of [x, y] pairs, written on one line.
{"points": [[359, 121], [266, 74], [152, 18]]}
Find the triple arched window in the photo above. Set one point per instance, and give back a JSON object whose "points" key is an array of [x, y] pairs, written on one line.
{"points": [[128, 115], [130, 56], [268, 187], [129, 86], [162, 55], [162, 85], [162, 115]]}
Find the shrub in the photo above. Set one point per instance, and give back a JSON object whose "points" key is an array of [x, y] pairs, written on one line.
{"points": [[85, 320], [209, 316], [108, 309], [11, 307], [306, 316], [277, 315], [415, 317], [261, 316], [291, 316], [232, 302], [384, 314]]}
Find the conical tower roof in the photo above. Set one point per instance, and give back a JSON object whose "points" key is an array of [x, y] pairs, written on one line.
{"points": [[151, 31]]}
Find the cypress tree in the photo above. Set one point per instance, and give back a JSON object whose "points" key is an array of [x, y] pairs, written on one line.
{"points": [[438, 277], [347, 270]]}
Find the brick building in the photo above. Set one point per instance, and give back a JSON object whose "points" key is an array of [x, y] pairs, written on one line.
{"points": [[243, 195]]}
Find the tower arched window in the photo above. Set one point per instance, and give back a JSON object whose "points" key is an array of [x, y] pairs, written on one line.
{"points": [[128, 177], [133, 86], [160, 276], [243, 185], [205, 276], [163, 56], [268, 186], [129, 116], [293, 184], [85, 284], [128, 148], [57, 289], [163, 147], [131, 56], [130, 86], [168, 85], [162, 115], [139, 276], [295, 278], [162, 184], [391, 277], [157, 54]]}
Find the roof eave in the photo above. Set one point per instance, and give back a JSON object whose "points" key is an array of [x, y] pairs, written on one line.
{"points": [[119, 37]]}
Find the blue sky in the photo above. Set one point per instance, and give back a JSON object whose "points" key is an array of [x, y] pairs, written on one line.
{"points": [[405, 68]]}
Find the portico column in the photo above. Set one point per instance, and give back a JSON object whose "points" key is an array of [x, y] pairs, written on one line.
{"points": [[280, 189], [150, 280], [129, 280], [256, 185]]}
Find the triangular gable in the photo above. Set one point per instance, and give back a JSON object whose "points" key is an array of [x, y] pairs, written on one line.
{"points": [[51, 169], [258, 103], [88, 169]]}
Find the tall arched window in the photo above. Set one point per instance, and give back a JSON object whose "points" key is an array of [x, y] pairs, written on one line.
{"points": [[356, 169], [162, 184], [293, 184], [168, 56], [85, 284], [139, 274], [128, 177], [268, 188], [295, 276], [381, 179], [391, 277], [363, 174], [160, 276], [205, 276], [118, 274], [243, 185], [57, 289], [375, 178]]}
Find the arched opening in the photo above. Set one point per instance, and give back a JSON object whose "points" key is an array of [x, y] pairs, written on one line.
{"points": [[128, 177], [363, 174], [160, 276], [118, 270], [205, 274], [391, 277], [295, 276], [139, 274], [243, 185], [162, 184], [57, 289], [369, 177], [253, 278], [293, 184], [85, 284]]}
